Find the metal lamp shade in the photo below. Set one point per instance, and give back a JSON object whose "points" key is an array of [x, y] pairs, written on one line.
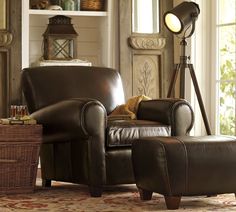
{"points": [[60, 39], [180, 17]]}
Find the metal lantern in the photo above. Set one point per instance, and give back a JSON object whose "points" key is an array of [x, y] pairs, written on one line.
{"points": [[60, 39]]}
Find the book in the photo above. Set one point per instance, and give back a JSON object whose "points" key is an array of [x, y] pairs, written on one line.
{"points": [[73, 62], [17, 121]]}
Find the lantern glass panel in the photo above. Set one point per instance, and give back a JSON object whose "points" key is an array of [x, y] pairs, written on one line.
{"points": [[63, 49]]}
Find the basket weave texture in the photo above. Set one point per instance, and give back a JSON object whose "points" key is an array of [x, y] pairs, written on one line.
{"points": [[95, 5], [19, 155]]}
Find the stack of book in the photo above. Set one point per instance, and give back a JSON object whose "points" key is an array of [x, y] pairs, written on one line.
{"points": [[23, 120], [74, 62]]}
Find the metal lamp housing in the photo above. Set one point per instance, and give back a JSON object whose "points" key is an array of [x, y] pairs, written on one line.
{"points": [[181, 17], [60, 39]]}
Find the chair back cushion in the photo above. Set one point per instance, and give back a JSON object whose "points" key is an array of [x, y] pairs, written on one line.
{"points": [[46, 85]]}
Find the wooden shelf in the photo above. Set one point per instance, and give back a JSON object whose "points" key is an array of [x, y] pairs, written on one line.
{"points": [[68, 13]]}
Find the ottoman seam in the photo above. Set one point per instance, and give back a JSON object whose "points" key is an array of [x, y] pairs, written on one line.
{"points": [[166, 168], [186, 164]]}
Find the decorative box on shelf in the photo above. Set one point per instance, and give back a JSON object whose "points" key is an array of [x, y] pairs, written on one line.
{"points": [[74, 62], [19, 155], [96, 5]]}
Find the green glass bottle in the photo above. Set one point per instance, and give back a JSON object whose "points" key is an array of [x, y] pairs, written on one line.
{"points": [[68, 5], [77, 5]]}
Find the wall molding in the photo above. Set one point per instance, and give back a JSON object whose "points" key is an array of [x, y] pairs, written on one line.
{"points": [[143, 53], [147, 42], [5, 38]]}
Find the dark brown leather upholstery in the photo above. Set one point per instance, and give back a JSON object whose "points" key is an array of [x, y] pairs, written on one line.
{"points": [[184, 166], [122, 133], [80, 145]]}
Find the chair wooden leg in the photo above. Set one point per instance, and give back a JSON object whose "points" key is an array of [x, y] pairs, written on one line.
{"points": [[46, 183], [95, 191], [144, 194], [172, 203]]}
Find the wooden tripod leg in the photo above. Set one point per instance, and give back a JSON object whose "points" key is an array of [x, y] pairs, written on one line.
{"points": [[144, 194], [199, 97], [173, 80], [172, 203]]}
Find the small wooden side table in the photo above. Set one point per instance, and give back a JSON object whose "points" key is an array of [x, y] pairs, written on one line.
{"points": [[19, 156]]}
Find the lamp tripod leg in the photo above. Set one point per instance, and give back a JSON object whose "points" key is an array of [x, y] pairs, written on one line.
{"points": [[173, 80], [199, 97]]}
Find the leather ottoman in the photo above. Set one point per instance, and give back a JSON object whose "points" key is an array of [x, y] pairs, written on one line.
{"points": [[184, 166]]}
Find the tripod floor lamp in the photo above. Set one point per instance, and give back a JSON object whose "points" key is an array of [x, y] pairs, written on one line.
{"points": [[181, 21]]}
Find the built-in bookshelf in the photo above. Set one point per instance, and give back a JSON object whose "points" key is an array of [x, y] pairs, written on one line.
{"points": [[94, 30]]}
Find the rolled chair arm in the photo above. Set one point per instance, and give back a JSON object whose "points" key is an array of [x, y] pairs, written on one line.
{"points": [[82, 117], [174, 112]]}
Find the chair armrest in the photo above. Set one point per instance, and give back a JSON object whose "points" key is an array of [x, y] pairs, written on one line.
{"points": [[81, 117], [85, 121], [174, 112]]}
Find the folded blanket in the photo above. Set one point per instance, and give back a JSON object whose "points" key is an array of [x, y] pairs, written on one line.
{"points": [[129, 109]]}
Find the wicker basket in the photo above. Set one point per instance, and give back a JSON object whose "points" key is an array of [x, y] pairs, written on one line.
{"points": [[96, 5], [19, 154]]}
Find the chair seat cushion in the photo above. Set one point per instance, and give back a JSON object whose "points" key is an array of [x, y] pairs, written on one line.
{"points": [[121, 133]]}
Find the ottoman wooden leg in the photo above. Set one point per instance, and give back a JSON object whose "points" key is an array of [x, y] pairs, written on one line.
{"points": [[46, 183], [172, 203], [144, 194], [95, 191]]}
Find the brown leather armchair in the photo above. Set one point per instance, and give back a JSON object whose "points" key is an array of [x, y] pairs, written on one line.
{"points": [[80, 145]]}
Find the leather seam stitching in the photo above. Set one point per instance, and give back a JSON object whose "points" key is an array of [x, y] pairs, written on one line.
{"points": [[186, 164], [166, 168]]}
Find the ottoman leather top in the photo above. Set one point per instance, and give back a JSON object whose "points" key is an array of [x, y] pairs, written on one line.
{"points": [[186, 165]]}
